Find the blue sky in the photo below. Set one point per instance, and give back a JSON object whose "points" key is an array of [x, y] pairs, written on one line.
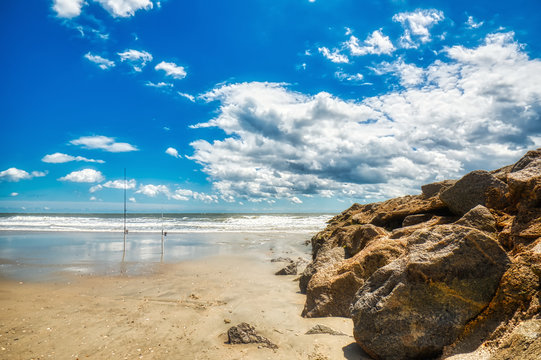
{"points": [[284, 105]]}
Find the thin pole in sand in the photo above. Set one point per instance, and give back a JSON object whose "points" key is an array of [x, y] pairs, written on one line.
{"points": [[125, 230], [163, 238]]}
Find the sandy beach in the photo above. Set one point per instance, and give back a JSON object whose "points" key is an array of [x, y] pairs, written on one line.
{"points": [[179, 311]]}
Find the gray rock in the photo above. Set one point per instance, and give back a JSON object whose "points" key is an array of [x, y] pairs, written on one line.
{"points": [[479, 218], [419, 303], [323, 329], [290, 269], [476, 188], [245, 333], [432, 189]]}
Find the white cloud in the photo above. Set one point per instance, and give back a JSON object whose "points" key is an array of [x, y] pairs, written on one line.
{"points": [[153, 190], [187, 96], [409, 74], [334, 55], [172, 70], [179, 194], [137, 59], [478, 108], [68, 8], [103, 63], [115, 184], [84, 176], [376, 44], [472, 24], [173, 152], [14, 194], [103, 143], [93, 198], [417, 23], [124, 8], [185, 195], [132, 199], [296, 200], [58, 158], [340, 75], [15, 175], [182, 194], [161, 84]]}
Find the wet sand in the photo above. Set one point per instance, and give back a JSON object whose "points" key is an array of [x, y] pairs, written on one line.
{"points": [[180, 311]]}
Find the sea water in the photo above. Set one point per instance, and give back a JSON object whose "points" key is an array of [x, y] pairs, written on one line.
{"points": [[41, 246]]}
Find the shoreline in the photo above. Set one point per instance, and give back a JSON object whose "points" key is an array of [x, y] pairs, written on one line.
{"points": [[181, 310]]}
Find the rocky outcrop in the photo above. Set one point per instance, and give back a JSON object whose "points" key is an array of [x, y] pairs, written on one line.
{"points": [[444, 272]]}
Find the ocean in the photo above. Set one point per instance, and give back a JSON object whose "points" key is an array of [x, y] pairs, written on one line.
{"points": [[36, 247]]}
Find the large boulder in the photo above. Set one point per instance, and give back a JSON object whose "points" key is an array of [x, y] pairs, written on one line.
{"points": [[332, 292], [433, 189], [419, 303], [479, 218], [525, 184], [476, 188], [325, 259]]}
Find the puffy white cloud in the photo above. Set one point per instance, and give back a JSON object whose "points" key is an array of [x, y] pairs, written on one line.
{"points": [[68, 8], [187, 96], [124, 8], [479, 108], [15, 175], [137, 59], [296, 200], [409, 74], [376, 43], [153, 190], [172, 151], [472, 24], [417, 23], [84, 176], [59, 158], [132, 199], [103, 143], [103, 63], [172, 70], [334, 55], [179, 194], [14, 194], [115, 184], [185, 195]]}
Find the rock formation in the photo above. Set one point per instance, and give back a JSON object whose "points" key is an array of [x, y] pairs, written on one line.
{"points": [[446, 272]]}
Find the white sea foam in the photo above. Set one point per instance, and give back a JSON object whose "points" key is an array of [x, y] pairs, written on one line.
{"points": [[172, 223]]}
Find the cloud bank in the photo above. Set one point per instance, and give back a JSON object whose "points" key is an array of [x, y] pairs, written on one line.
{"points": [[447, 118]]}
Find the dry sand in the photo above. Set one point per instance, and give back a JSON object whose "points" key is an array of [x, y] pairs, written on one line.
{"points": [[181, 311]]}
